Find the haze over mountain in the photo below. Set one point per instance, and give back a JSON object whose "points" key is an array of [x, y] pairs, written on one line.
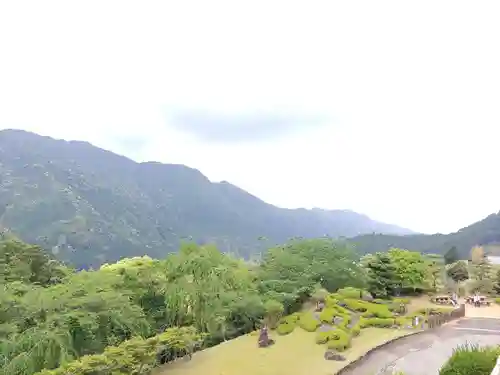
{"points": [[91, 206]]}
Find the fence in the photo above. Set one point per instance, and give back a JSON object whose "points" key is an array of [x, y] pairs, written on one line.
{"points": [[438, 320]]}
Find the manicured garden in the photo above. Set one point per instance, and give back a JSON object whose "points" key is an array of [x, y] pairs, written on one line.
{"points": [[347, 325]]}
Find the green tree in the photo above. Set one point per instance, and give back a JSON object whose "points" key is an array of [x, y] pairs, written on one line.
{"points": [[274, 311], [410, 268], [482, 272], [496, 283], [458, 271], [382, 277], [451, 256], [290, 273]]}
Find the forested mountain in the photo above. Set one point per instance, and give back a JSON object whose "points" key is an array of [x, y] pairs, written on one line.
{"points": [[92, 206], [484, 232]]}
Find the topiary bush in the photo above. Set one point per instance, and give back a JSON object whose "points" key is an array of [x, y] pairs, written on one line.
{"points": [[335, 339], [327, 315], [308, 322], [355, 330], [471, 359], [356, 305], [287, 324], [377, 322], [332, 300], [285, 328], [350, 292], [377, 311]]}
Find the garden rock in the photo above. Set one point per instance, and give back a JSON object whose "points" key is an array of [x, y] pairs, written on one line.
{"points": [[330, 355], [368, 298]]}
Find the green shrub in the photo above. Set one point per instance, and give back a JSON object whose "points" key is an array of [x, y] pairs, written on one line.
{"points": [[380, 301], [356, 330], [327, 315], [287, 324], [471, 359], [331, 300], [131, 356], [497, 301], [335, 339], [308, 322], [356, 305], [285, 328], [290, 319], [377, 322], [351, 292], [377, 311]]}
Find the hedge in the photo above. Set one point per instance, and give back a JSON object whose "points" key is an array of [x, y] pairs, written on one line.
{"points": [[287, 324], [377, 322], [335, 339], [134, 356], [308, 322], [327, 315], [368, 309], [350, 292]]}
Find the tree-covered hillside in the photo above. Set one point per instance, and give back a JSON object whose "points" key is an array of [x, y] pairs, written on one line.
{"points": [[129, 317], [484, 232], [91, 206]]}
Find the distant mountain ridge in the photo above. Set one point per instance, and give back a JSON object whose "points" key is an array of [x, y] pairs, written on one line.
{"points": [[92, 206], [485, 233]]}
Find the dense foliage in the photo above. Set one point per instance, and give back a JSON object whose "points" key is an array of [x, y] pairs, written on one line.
{"points": [[91, 206], [471, 359], [399, 271], [119, 318]]}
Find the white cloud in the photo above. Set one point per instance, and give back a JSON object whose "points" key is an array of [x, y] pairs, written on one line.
{"points": [[413, 89]]}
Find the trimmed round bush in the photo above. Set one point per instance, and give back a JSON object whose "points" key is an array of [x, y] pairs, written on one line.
{"points": [[285, 328], [335, 339], [308, 322], [327, 315], [331, 300], [350, 292], [287, 324]]}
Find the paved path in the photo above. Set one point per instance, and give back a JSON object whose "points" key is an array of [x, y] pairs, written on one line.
{"points": [[425, 353]]}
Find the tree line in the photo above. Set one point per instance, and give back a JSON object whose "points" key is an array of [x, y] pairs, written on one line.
{"points": [[129, 316]]}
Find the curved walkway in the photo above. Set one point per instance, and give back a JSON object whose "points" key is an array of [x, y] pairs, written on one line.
{"points": [[425, 353]]}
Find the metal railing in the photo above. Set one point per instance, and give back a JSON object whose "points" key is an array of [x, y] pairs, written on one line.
{"points": [[438, 320]]}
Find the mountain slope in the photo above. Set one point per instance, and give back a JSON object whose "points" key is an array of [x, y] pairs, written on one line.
{"points": [[90, 205], [484, 232]]}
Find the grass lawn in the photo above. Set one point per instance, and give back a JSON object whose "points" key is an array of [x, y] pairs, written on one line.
{"points": [[293, 354]]}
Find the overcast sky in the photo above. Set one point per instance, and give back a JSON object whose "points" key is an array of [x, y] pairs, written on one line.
{"points": [[389, 108]]}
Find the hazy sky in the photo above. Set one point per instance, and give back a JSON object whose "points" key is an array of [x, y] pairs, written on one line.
{"points": [[390, 108]]}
